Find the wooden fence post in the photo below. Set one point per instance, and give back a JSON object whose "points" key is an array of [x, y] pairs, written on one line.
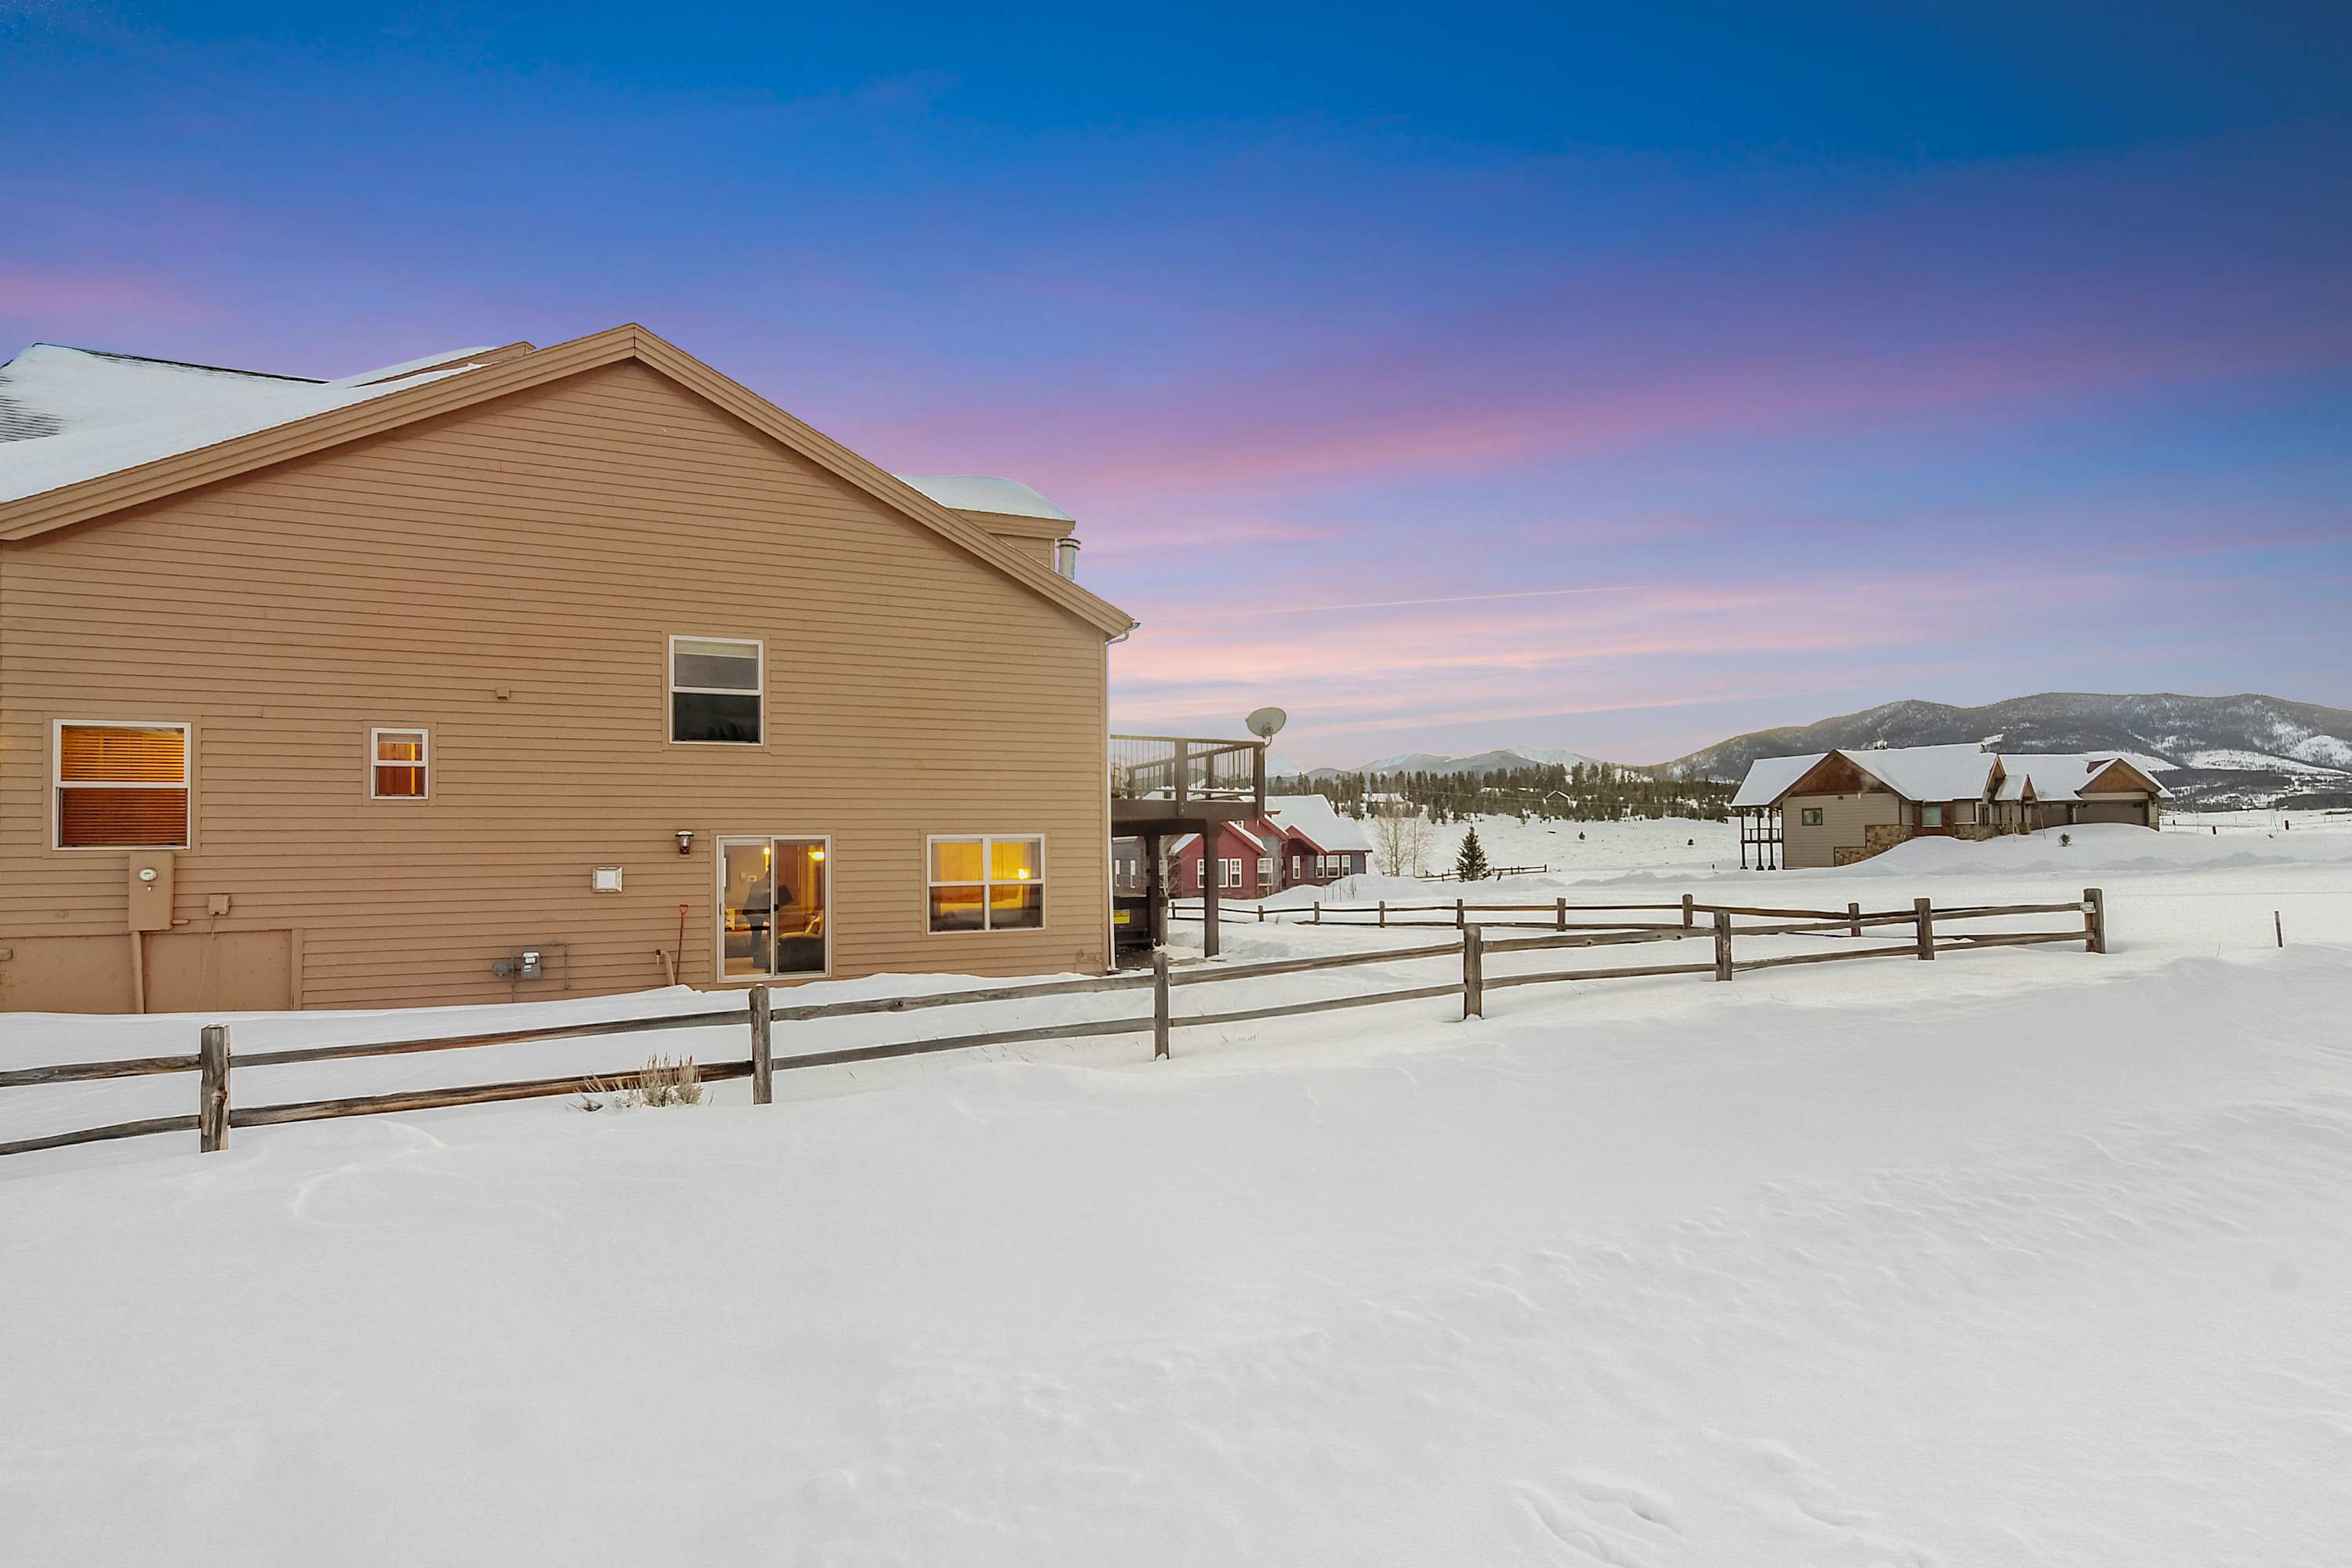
{"points": [[1319, 911], [211, 1090], [763, 1073], [1689, 921], [1160, 1018], [1723, 944], [1473, 973], [1923, 915], [1853, 915], [1457, 914], [2094, 922]]}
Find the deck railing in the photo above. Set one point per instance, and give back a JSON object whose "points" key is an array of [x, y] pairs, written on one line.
{"points": [[1182, 769]]}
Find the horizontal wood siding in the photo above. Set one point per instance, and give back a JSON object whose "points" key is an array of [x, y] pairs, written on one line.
{"points": [[1844, 819], [547, 545]]}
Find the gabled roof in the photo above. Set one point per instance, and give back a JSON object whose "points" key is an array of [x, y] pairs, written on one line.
{"points": [[68, 414], [1235, 828], [1768, 778], [2065, 775], [1314, 818], [233, 423]]}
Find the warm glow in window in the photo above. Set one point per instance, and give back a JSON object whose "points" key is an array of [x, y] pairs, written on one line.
{"points": [[986, 883], [398, 767], [122, 787]]}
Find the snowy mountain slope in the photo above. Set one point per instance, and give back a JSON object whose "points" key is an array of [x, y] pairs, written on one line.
{"points": [[1501, 760], [2267, 732]]}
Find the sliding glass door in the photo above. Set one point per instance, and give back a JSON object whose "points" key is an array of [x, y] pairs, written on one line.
{"points": [[774, 898]]}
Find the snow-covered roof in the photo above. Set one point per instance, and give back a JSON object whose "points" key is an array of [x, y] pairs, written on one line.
{"points": [[1956, 771], [1235, 828], [1316, 819], [68, 414], [1768, 778], [2058, 775], [984, 492]]}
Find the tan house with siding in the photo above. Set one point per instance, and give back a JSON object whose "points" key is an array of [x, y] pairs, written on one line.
{"points": [[1832, 808], [516, 673]]}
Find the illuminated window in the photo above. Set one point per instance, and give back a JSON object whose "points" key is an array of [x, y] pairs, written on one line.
{"points": [[121, 786], [397, 764], [714, 692], [986, 883], [773, 897]]}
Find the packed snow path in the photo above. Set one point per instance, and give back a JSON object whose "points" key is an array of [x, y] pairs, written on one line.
{"points": [[2025, 1257]]}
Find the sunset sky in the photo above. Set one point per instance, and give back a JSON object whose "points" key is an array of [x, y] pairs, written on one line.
{"points": [[1617, 378]]}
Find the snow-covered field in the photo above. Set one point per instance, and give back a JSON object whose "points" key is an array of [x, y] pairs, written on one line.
{"points": [[2024, 1256]]}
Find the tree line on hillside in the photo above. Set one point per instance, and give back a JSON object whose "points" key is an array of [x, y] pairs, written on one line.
{"points": [[1581, 791]]}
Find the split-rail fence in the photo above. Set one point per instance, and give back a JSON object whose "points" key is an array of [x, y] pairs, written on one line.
{"points": [[1930, 932]]}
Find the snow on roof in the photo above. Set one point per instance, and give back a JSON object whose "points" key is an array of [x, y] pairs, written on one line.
{"points": [[1235, 828], [68, 414], [2059, 775], [1316, 819], [1928, 772], [984, 492], [1768, 778]]}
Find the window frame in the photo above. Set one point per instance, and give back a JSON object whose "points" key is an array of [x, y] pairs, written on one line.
{"points": [[1936, 808], [987, 842], [1265, 868], [1229, 872], [423, 764], [57, 786], [719, 906], [670, 689], [1809, 817]]}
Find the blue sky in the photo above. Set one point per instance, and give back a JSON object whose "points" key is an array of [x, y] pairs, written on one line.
{"points": [[1615, 378]]}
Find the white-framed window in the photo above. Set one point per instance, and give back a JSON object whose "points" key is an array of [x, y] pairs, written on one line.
{"points": [[1809, 817], [400, 764], [1296, 861], [1199, 873], [715, 690], [775, 902], [119, 786], [985, 881], [1229, 873], [1265, 868]]}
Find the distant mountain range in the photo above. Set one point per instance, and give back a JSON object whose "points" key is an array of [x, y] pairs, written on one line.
{"points": [[2249, 749]]}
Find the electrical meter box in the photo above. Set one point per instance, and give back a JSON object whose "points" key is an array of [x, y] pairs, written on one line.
{"points": [[150, 895]]}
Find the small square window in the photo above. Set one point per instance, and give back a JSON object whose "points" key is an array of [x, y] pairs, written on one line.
{"points": [[1809, 816], [121, 786], [984, 883], [399, 764]]}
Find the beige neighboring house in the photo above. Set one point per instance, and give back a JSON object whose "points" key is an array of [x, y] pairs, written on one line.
{"points": [[515, 673], [1832, 808]]}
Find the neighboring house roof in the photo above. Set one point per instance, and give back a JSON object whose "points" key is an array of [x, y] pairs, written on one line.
{"points": [[1314, 818], [1960, 772], [983, 493], [185, 425], [2066, 775], [1928, 772], [1768, 778], [1235, 828]]}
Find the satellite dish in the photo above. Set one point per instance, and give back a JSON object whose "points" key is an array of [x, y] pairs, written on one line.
{"points": [[1266, 721]]}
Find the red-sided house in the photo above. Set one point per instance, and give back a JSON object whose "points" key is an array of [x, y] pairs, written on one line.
{"points": [[1300, 841]]}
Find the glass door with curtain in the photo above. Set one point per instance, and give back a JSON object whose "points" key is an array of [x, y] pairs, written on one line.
{"points": [[774, 901]]}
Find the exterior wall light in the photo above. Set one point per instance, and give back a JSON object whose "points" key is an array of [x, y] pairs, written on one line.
{"points": [[685, 840]]}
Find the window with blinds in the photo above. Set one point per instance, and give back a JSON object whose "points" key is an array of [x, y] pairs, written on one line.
{"points": [[121, 786], [398, 764]]}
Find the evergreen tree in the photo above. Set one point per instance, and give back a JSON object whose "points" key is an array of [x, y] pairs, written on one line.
{"points": [[1470, 866]]}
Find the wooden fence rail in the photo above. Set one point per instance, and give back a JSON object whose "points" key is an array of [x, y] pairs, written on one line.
{"points": [[214, 1062]]}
